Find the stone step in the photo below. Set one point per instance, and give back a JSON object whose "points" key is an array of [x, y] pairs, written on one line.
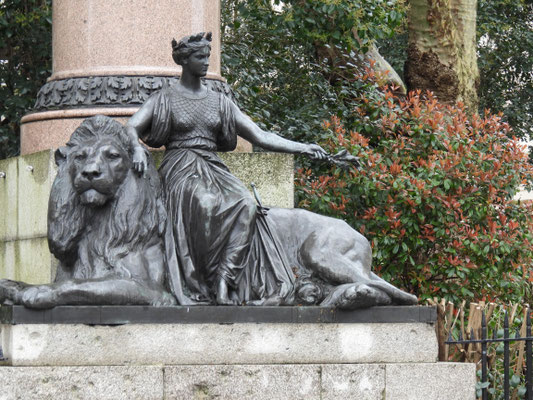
{"points": [[419, 381]]}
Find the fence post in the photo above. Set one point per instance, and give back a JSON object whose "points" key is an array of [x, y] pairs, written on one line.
{"points": [[506, 356], [484, 391], [529, 358]]}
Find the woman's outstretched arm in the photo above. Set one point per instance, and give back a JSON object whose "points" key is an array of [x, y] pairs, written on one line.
{"points": [[248, 130]]}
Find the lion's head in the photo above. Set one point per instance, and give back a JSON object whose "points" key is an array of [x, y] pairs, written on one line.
{"points": [[99, 160], [97, 190]]}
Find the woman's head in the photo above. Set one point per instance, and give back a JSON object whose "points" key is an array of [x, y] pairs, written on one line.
{"points": [[190, 44]]}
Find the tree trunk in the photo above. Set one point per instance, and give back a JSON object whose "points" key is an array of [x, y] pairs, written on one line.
{"points": [[442, 50], [337, 59]]}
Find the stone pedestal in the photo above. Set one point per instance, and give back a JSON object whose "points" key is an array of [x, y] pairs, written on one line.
{"points": [[109, 56], [227, 353]]}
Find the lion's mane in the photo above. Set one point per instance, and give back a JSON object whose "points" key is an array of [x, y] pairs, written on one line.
{"points": [[132, 220]]}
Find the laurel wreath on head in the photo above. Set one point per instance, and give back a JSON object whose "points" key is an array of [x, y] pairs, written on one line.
{"points": [[191, 39]]}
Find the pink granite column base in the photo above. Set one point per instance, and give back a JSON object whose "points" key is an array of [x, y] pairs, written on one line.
{"points": [[52, 129], [128, 37]]}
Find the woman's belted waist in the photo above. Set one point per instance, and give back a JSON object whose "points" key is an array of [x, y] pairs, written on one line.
{"points": [[193, 143]]}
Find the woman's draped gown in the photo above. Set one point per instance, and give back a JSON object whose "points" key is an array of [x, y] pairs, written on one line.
{"points": [[213, 229]]}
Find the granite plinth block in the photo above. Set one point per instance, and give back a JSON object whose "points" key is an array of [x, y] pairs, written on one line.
{"points": [[439, 381], [357, 381], [245, 382], [192, 344], [102, 383], [248, 353], [258, 382]]}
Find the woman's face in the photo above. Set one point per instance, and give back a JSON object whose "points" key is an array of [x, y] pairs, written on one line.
{"points": [[198, 62]]}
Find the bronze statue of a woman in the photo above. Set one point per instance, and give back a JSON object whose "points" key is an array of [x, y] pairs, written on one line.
{"points": [[212, 236], [218, 249]]}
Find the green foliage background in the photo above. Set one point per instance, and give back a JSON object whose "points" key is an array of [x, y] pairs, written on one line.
{"points": [[25, 63], [269, 57], [506, 61]]}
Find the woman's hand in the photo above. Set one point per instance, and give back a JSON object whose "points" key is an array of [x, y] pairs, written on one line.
{"points": [[140, 160], [315, 152]]}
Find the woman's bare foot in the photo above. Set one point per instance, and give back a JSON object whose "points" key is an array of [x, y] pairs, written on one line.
{"points": [[222, 294]]}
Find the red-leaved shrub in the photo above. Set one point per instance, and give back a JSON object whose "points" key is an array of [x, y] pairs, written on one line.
{"points": [[434, 195]]}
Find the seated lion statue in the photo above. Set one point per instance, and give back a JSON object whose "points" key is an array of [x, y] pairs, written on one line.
{"points": [[105, 226]]}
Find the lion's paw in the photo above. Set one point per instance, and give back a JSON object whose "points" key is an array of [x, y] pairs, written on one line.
{"points": [[9, 290], [362, 296], [356, 295], [406, 299], [42, 296]]}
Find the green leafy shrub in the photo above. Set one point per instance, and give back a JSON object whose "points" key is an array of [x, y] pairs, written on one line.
{"points": [[26, 59], [269, 57], [434, 195], [505, 38]]}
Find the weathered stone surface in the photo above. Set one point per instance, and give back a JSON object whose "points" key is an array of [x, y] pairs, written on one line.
{"points": [[69, 383], [437, 381], [347, 381], [253, 382], [272, 173], [179, 344], [36, 172], [9, 199], [27, 260], [24, 191]]}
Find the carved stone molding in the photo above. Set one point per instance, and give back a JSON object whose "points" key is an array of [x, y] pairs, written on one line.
{"points": [[112, 91]]}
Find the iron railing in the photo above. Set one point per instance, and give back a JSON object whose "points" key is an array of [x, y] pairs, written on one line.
{"points": [[506, 340]]}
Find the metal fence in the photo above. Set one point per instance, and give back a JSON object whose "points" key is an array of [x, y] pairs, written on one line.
{"points": [[485, 340]]}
